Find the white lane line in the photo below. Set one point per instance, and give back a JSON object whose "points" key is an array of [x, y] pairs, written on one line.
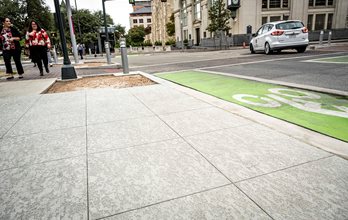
{"points": [[270, 60]]}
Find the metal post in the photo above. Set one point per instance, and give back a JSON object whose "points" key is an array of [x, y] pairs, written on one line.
{"points": [[107, 46], [68, 71], [55, 54], [124, 55], [321, 37], [72, 32], [78, 20], [182, 29], [329, 38]]}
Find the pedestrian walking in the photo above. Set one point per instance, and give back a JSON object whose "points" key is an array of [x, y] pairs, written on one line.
{"points": [[38, 42], [11, 47], [80, 50]]}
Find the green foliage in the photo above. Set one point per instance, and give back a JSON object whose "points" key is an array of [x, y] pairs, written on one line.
{"points": [[38, 10], [185, 42], [170, 26], [120, 31], [147, 43], [148, 30], [171, 42], [100, 17], [136, 35], [219, 17], [158, 43]]}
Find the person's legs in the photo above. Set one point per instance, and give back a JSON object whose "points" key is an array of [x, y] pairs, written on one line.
{"points": [[44, 58], [49, 57], [7, 59], [17, 59]]}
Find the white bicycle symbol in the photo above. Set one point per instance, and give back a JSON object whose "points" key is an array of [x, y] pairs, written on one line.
{"points": [[298, 101]]}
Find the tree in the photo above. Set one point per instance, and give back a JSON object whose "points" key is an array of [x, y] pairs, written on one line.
{"points": [[170, 26], [219, 17], [15, 10], [100, 16], [136, 35], [38, 10], [120, 31]]}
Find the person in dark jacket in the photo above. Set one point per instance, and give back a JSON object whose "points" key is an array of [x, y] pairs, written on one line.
{"points": [[11, 47]]}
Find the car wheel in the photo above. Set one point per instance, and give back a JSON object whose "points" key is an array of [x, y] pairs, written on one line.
{"points": [[267, 49], [252, 49], [301, 49]]}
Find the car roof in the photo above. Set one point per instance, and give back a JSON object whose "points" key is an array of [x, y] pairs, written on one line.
{"points": [[278, 22]]}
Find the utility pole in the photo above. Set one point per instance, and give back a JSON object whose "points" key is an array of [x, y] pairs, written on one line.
{"points": [[78, 20], [107, 45], [72, 32], [68, 71]]}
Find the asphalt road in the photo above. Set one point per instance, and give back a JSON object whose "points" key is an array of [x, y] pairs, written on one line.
{"points": [[286, 67]]}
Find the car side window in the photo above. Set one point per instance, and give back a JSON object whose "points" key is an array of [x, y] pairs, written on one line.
{"points": [[265, 29], [260, 30]]}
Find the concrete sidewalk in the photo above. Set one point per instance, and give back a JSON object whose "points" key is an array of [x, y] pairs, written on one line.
{"points": [[160, 152]]}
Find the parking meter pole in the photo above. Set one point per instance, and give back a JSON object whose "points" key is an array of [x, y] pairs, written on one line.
{"points": [[321, 37], [329, 39], [124, 56], [55, 54], [107, 51]]}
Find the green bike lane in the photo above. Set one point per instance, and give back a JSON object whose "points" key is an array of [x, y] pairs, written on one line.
{"points": [[320, 112]]}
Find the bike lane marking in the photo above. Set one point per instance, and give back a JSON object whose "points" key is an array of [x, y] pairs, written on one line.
{"points": [[324, 113]]}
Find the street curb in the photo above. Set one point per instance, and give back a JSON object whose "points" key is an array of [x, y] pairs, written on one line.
{"points": [[302, 134], [293, 85]]}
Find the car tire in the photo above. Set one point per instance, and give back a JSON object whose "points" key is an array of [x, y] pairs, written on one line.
{"points": [[267, 48], [252, 49], [301, 49]]}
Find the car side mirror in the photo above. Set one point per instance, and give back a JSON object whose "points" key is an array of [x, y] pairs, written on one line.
{"points": [[254, 35]]}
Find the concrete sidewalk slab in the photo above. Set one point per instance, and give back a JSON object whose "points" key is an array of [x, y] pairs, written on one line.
{"points": [[108, 153], [24, 88], [316, 190], [146, 175]]}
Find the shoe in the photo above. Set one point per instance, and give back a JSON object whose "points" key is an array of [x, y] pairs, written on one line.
{"points": [[34, 65], [10, 77], [41, 73], [51, 64], [47, 70], [20, 76]]}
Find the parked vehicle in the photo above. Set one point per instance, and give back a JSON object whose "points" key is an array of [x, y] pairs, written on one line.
{"points": [[276, 36]]}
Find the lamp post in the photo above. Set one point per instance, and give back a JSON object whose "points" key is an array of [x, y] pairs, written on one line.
{"points": [[107, 45], [68, 71]]}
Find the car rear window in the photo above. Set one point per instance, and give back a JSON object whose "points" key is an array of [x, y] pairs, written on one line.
{"points": [[290, 25]]}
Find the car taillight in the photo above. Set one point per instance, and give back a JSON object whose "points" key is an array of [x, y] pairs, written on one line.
{"points": [[305, 30], [277, 32]]}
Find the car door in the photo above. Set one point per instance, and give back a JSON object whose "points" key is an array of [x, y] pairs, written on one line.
{"points": [[262, 39], [256, 39]]}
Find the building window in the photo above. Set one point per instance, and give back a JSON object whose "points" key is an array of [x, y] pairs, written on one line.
{"points": [[329, 21], [320, 2], [310, 22], [267, 4], [141, 20], [264, 20], [274, 18], [274, 3], [285, 17], [184, 13], [264, 4], [198, 9], [135, 21], [285, 4], [204, 34], [149, 20], [319, 21]]}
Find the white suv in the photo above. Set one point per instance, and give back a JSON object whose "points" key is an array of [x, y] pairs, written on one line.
{"points": [[275, 36]]}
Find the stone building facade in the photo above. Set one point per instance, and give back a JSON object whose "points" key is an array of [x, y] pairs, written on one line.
{"points": [[191, 16], [141, 16], [161, 12]]}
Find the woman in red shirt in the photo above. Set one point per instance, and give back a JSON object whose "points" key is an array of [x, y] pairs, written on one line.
{"points": [[38, 41], [9, 39]]}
